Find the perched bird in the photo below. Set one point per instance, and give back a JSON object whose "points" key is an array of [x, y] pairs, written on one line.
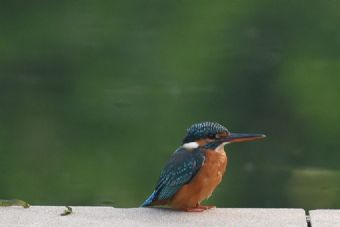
{"points": [[196, 168]]}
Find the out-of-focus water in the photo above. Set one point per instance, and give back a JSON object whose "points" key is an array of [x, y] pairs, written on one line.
{"points": [[94, 98]]}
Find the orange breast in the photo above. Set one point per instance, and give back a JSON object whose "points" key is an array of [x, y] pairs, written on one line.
{"points": [[204, 183]]}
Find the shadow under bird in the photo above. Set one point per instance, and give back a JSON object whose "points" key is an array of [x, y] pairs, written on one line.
{"points": [[196, 168]]}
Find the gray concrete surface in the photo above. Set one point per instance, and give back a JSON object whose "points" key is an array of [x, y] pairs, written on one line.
{"points": [[325, 218], [49, 216]]}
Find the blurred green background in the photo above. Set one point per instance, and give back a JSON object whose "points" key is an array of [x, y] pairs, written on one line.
{"points": [[95, 96]]}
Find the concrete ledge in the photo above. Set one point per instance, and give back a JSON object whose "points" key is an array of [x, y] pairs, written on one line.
{"points": [[325, 218], [49, 216]]}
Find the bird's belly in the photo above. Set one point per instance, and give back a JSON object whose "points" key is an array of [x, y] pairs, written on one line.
{"points": [[204, 183]]}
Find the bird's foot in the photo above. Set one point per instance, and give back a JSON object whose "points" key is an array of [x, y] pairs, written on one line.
{"points": [[198, 208], [194, 209]]}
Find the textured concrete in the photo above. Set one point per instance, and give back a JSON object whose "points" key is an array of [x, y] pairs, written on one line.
{"points": [[49, 216], [325, 218]]}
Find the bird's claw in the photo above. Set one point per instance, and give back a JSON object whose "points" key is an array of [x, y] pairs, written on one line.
{"points": [[198, 208]]}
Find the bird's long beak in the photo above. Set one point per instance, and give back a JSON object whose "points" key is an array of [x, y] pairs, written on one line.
{"points": [[242, 137]]}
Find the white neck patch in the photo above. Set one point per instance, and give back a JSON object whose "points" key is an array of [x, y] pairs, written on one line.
{"points": [[190, 146], [221, 146]]}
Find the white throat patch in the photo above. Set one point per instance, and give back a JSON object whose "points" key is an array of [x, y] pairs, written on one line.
{"points": [[190, 146], [221, 146]]}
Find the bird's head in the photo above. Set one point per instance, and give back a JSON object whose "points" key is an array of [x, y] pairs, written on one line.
{"points": [[212, 135]]}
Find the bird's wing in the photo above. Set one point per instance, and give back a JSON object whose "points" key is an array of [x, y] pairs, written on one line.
{"points": [[179, 170]]}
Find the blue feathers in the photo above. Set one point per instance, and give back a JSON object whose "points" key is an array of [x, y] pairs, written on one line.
{"points": [[149, 200], [179, 170], [204, 129]]}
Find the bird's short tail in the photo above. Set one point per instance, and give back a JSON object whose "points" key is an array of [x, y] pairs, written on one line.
{"points": [[148, 201]]}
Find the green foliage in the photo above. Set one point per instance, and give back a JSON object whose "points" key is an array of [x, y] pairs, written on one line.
{"points": [[13, 202]]}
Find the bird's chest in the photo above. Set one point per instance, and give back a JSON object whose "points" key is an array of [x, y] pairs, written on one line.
{"points": [[205, 181], [213, 168], [210, 174]]}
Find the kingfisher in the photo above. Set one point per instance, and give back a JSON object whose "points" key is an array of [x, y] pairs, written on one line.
{"points": [[196, 168]]}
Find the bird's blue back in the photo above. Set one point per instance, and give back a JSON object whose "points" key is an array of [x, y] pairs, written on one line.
{"points": [[178, 171]]}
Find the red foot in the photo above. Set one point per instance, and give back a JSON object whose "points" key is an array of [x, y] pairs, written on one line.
{"points": [[194, 209], [198, 208]]}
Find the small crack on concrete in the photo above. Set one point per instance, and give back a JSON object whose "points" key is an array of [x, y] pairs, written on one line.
{"points": [[308, 219]]}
